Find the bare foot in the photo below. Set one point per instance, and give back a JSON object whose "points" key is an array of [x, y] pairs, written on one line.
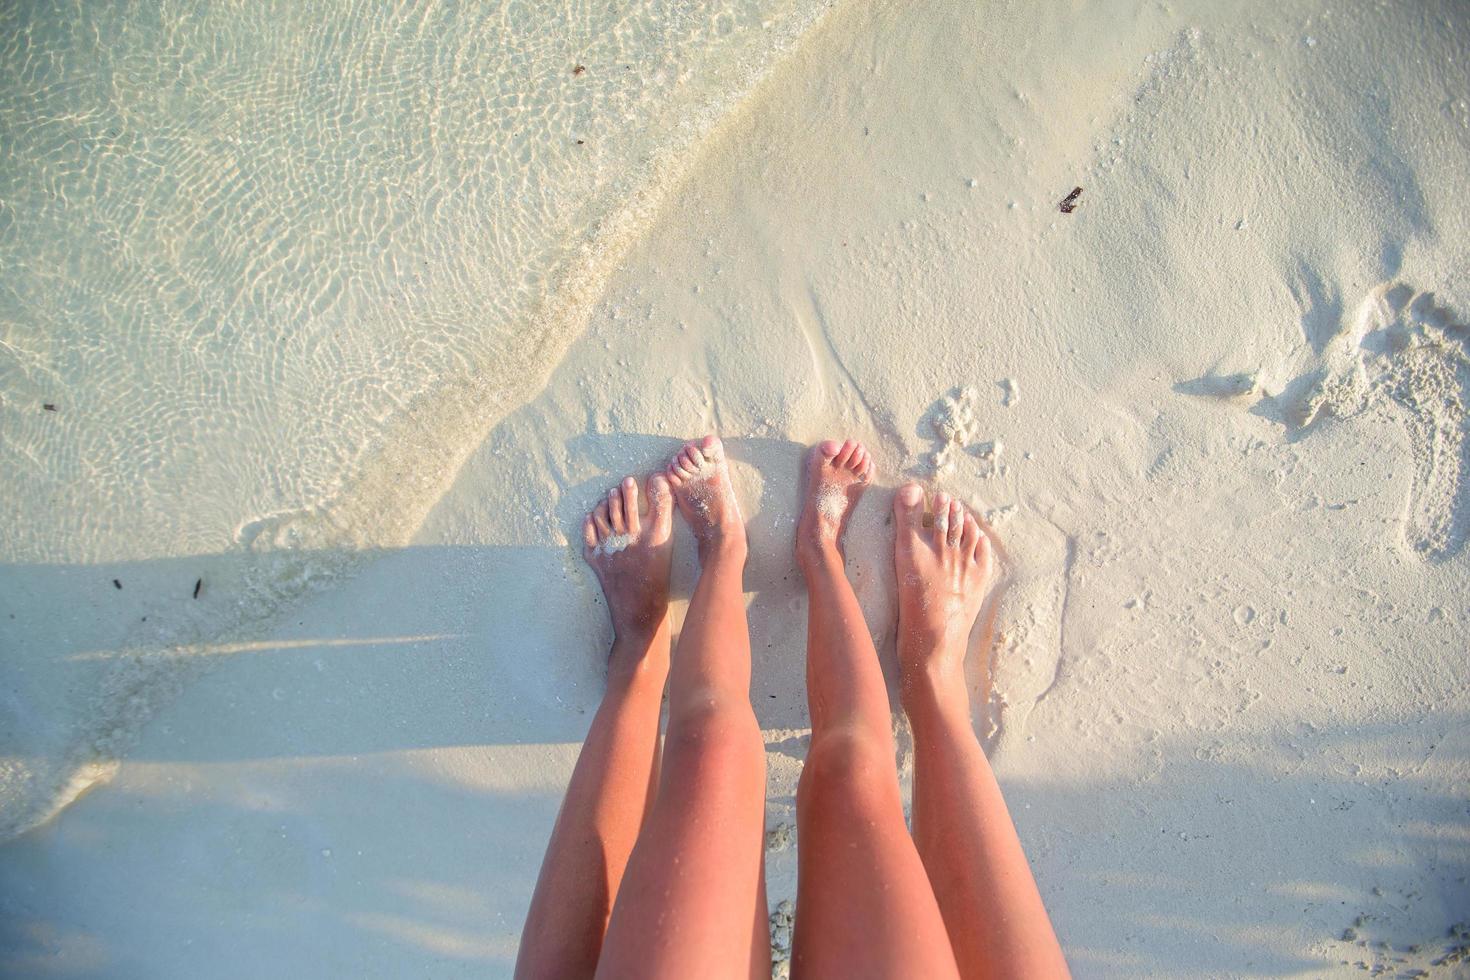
{"points": [[837, 473], [706, 498], [945, 565], [631, 553]]}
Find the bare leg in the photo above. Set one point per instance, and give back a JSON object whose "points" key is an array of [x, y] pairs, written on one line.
{"points": [[617, 768], [963, 831], [695, 874], [864, 906]]}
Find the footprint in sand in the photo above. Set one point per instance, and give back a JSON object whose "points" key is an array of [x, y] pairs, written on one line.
{"points": [[1030, 655], [1403, 353]]}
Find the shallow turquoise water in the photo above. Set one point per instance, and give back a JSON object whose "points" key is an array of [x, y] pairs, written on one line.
{"points": [[241, 240], [272, 269]]}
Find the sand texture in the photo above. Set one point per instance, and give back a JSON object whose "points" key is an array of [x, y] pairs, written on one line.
{"points": [[1216, 413]]}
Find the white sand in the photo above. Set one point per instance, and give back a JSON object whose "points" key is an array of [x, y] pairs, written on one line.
{"points": [[832, 503], [613, 544], [1233, 729]]}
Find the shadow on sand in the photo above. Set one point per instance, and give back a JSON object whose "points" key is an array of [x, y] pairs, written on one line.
{"points": [[368, 786]]}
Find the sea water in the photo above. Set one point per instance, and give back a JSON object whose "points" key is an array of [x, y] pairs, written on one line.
{"points": [[271, 271]]}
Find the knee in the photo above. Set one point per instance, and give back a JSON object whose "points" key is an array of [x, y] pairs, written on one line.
{"points": [[847, 763], [722, 736]]}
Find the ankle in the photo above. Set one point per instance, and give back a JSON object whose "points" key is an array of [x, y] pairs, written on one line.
{"points": [[640, 652], [816, 553], [723, 546], [934, 682]]}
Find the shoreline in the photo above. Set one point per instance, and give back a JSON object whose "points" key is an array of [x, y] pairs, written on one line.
{"points": [[1233, 720]]}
